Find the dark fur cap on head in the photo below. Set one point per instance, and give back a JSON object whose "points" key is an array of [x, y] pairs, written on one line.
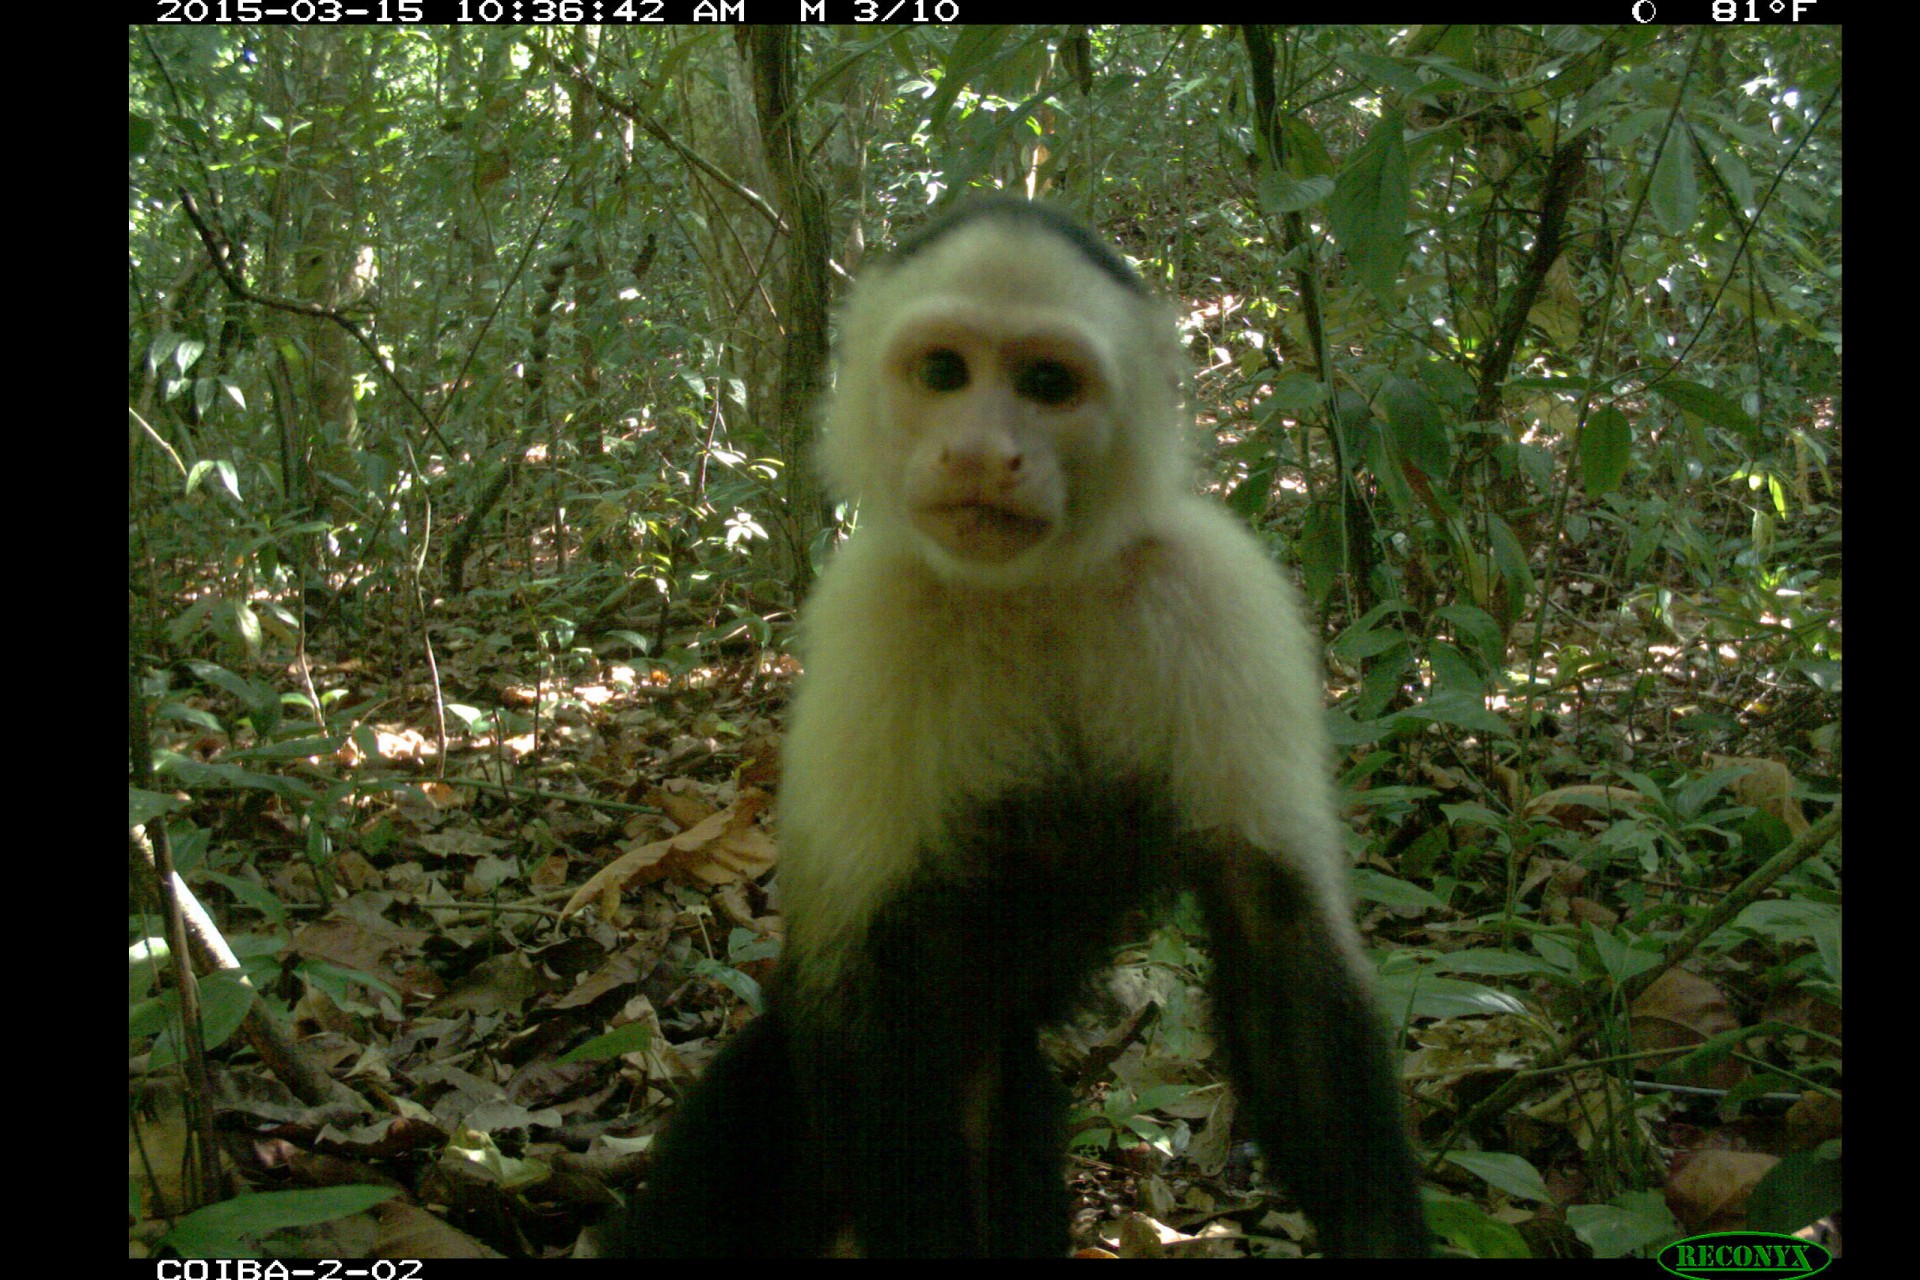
{"points": [[1006, 208]]}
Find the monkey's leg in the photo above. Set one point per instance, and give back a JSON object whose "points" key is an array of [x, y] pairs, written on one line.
{"points": [[726, 1178]]}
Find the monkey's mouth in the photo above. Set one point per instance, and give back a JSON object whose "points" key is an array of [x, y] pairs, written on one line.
{"points": [[979, 530]]}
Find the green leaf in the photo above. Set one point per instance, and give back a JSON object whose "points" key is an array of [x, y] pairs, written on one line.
{"points": [[1606, 447], [193, 775], [1509, 1173], [145, 806], [250, 893], [1511, 559], [225, 997], [1675, 195], [634, 1037], [261, 702], [1635, 1220], [1369, 208], [1461, 707], [1424, 995], [1705, 403], [290, 749], [223, 1230], [1280, 193], [1475, 627], [1467, 1226], [1391, 891], [1802, 1188], [1488, 963], [1305, 155], [1388, 73], [1416, 427], [972, 47], [735, 981], [1250, 497], [1731, 168]]}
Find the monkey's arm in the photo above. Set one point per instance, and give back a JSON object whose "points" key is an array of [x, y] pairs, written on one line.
{"points": [[1308, 1055]]}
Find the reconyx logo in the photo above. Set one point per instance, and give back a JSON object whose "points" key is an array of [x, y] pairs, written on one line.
{"points": [[1745, 1253]]}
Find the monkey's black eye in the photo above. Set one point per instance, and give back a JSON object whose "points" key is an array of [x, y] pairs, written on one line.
{"points": [[942, 369], [1047, 382]]}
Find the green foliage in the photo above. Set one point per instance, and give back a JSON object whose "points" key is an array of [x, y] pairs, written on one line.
{"points": [[1124, 1117], [231, 1228], [1636, 1223], [444, 314], [1803, 1187], [1466, 1227], [1369, 207]]}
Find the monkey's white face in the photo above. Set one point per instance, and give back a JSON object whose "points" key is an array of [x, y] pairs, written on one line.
{"points": [[995, 426], [1006, 402]]}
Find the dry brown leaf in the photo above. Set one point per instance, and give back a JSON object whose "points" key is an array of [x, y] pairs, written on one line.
{"points": [[1768, 787], [725, 847], [1683, 1009], [1709, 1192], [1813, 1120], [686, 807]]}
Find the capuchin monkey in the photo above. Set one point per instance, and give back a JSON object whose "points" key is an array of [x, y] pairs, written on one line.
{"points": [[1046, 685]]}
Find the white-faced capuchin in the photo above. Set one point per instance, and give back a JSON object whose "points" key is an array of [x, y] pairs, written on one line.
{"points": [[1045, 684]]}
